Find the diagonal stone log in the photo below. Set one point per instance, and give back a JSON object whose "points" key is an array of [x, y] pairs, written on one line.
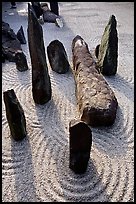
{"points": [[80, 145], [107, 51], [96, 100], [58, 57], [41, 85], [15, 115], [21, 36], [10, 44]]}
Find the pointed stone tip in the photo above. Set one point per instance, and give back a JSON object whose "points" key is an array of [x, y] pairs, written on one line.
{"points": [[112, 18]]}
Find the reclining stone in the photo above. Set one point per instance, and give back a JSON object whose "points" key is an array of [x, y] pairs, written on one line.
{"points": [[96, 100]]}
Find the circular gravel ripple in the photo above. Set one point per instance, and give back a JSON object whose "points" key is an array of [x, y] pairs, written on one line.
{"points": [[104, 179], [11, 75]]}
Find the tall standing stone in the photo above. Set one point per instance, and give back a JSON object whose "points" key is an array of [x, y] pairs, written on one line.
{"points": [[80, 145], [108, 49], [41, 85], [15, 115]]}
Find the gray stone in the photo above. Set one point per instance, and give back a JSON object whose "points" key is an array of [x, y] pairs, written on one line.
{"points": [[96, 100], [108, 50], [10, 44], [80, 145], [48, 16], [41, 85], [21, 62], [58, 57], [15, 115], [21, 36]]}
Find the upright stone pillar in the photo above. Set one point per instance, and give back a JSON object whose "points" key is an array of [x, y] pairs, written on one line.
{"points": [[107, 51], [41, 85], [15, 115], [80, 145]]}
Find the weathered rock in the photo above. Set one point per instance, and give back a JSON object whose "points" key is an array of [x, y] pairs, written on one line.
{"points": [[10, 44], [41, 85], [15, 115], [80, 145], [58, 57], [21, 62], [96, 100], [48, 16], [21, 36], [108, 50]]}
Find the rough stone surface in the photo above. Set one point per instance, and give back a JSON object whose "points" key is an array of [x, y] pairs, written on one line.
{"points": [[21, 36], [15, 115], [21, 62], [10, 44], [96, 100], [41, 85], [48, 16], [108, 50], [58, 57], [80, 145]]}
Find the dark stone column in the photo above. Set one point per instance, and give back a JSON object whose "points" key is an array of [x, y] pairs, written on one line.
{"points": [[15, 115], [96, 100], [41, 85], [80, 145], [107, 52], [58, 57]]}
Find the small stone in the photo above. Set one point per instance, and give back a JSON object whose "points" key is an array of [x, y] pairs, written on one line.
{"points": [[21, 62], [48, 16], [15, 115], [10, 43], [80, 145], [21, 36], [58, 57], [96, 100]]}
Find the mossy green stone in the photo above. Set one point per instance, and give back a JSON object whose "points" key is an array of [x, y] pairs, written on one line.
{"points": [[108, 50]]}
